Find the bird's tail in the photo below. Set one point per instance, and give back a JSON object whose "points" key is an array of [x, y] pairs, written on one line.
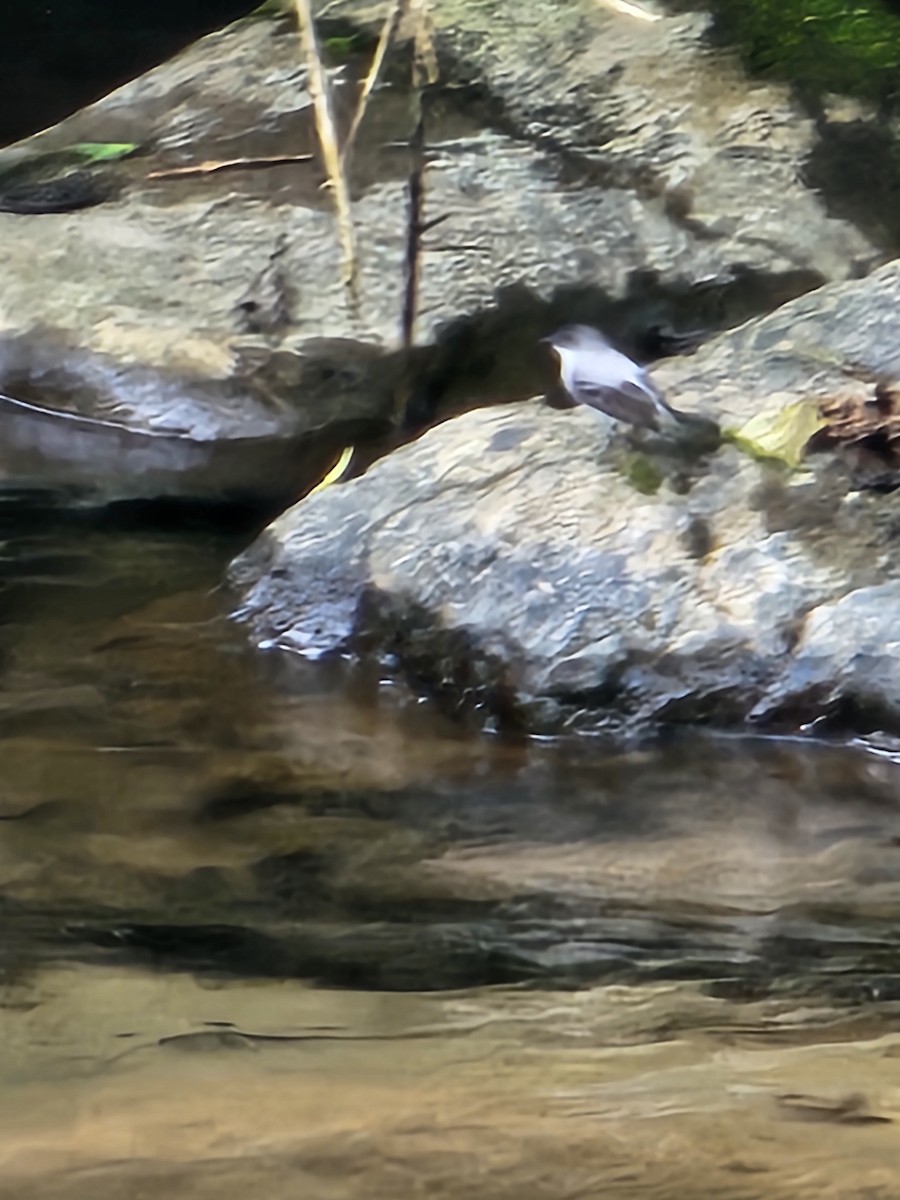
{"points": [[699, 430]]}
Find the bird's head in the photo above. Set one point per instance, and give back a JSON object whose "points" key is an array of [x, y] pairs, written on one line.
{"points": [[575, 337]]}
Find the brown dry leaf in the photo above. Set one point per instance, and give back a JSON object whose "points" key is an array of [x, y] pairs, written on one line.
{"points": [[320, 90], [856, 415]]}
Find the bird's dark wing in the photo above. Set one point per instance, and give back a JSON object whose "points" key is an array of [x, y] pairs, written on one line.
{"points": [[627, 402]]}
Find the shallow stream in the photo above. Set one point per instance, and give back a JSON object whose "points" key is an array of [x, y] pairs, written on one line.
{"points": [[280, 928]]}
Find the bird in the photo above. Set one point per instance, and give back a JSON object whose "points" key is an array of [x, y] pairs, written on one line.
{"points": [[597, 375]]}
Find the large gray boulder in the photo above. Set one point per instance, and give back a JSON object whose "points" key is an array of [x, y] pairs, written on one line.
{"points": [[513, 559], [573, 151], [600, 146]]}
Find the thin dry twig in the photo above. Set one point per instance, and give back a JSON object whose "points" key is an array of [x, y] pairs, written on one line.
{"points": [[229, 164], [415, 191], [395, 15], [331, 154], [424, 73], [425, 67]]}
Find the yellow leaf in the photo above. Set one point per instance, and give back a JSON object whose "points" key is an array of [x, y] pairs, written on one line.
{"points": [[782, 435], [336, 471]]}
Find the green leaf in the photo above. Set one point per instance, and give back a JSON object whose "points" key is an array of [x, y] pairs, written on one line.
{"points": [[103, 151], [340, 48], [818, 45], [782, 436]]}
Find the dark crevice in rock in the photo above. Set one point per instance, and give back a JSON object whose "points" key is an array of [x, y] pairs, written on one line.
{"points": [[834, 713], [724, 707], [610, 695], [496, 355], [698, 538]]}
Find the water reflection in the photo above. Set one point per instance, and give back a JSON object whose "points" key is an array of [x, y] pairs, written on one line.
{"points": [[267, 921]]}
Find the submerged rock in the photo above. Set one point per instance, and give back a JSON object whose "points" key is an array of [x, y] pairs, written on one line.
{"points": [[517, 561]]}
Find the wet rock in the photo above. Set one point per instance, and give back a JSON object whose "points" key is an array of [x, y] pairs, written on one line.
{"points": [[695, 861], [92, 429], [847, 656], [509, 563]]}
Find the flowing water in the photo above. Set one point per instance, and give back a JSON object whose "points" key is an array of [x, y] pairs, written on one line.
{"points": [[280, 929]]}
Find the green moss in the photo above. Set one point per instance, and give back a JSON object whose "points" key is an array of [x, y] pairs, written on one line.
{"points": [[339, 49], [850, 46], [643, 475], [96, 152]]}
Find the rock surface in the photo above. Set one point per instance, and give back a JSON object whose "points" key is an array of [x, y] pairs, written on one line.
{"points": [[508, 558], [673, 158], [85, 428], [160, 310]]}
